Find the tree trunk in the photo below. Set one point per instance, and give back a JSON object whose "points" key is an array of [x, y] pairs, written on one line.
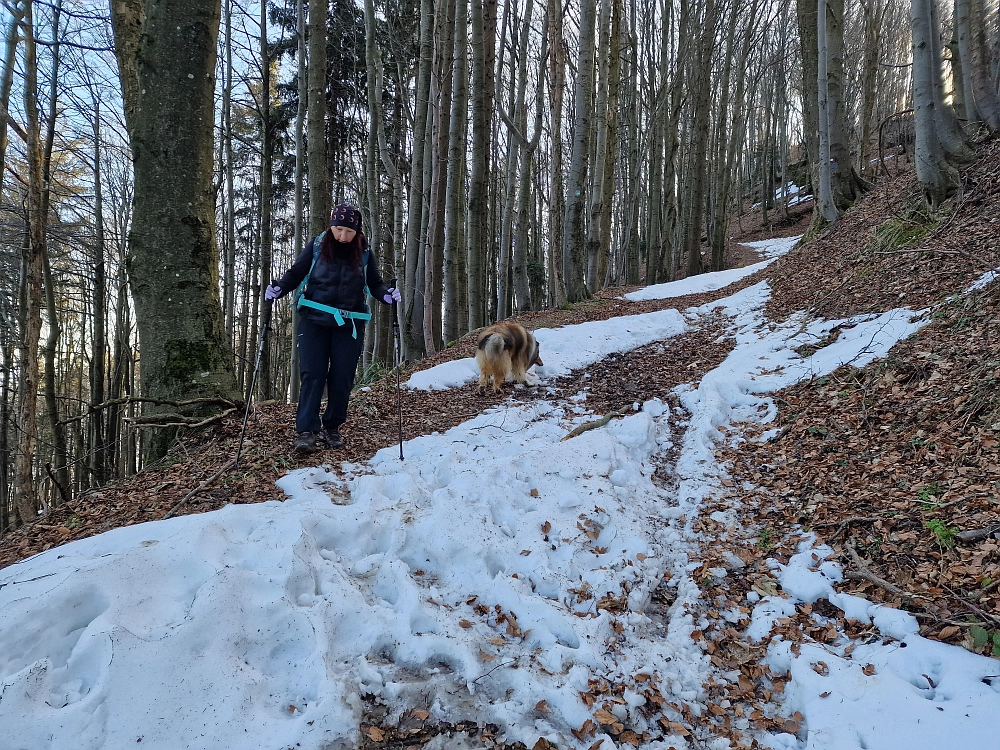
{"points": [[484, 15], [454, 249], [949, 131], [574, 228], [516, 143], [806, 12], [937, 177], [874, 16], [557, 203], [847, 184], [522, 273], [611, 146], [980, 95], [413, 289], [595, 229], [961, 96], [827, 204], [99, 458], [702, 94], [173, 260], [25, 498], [229, 274], [12, 39], [299, 221], [433, 281], [320, 197], [266, 190]]}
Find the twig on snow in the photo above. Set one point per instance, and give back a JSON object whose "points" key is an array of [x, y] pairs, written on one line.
{"points": [[597, 422]]}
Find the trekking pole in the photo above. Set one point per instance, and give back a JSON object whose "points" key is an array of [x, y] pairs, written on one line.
{"points": [[396, 357], [265, 326]]}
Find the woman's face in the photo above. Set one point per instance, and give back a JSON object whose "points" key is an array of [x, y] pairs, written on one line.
{"points": [[343, 234]]}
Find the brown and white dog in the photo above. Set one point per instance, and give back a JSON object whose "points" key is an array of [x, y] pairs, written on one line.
{"points": [[505, 352]]}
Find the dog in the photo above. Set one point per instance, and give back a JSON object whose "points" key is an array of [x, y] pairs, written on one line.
{"points": [[504, 352]]}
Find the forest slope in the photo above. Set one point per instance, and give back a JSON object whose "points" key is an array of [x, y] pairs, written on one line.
{"points": [[886, 462], [937, 392]]}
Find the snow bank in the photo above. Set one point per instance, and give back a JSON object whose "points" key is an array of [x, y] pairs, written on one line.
{"points": [[708, 282], [568, 348]]}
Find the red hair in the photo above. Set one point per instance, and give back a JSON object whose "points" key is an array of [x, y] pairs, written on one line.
{"points": [[349, 251]]}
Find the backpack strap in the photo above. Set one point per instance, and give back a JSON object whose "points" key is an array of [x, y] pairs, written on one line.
{"points": [[301, 291], [338, 314]]}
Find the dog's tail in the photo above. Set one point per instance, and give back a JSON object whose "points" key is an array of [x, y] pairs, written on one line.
{"points": [[492, 346]]}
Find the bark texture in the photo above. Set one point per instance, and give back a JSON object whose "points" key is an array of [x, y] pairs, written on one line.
{"points": [[173, 260]]}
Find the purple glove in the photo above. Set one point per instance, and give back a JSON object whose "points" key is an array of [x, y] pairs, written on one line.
{"points": [[392, 295], [272, 292]]}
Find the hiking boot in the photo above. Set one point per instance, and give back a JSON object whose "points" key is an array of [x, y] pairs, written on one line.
{"points": [[333, 438], [305, 442]]}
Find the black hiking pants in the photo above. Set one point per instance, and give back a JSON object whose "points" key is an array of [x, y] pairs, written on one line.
{"points": [[328, 357]]}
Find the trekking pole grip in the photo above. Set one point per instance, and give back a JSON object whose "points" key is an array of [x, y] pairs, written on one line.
{"points": [[395, 315]]}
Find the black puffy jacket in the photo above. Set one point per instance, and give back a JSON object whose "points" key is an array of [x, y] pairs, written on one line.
{"points": [[335, 283]]}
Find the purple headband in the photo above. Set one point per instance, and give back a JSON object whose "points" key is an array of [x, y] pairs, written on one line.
{"points": [[346, 215]]}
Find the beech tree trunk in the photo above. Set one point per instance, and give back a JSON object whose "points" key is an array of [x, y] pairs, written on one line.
{"points": [[981, 98], [456, 292], [557, 201], [574, 229], [266, 190], [846, 183], [938, 178], [173, 259], [701, 92], [806, 13], [484, 19], [320, 197], [413, 290], [300, 163], [827, 204], [433, 269]]}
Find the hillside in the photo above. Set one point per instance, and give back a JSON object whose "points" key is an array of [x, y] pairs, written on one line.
{"points": [[894, 463]]}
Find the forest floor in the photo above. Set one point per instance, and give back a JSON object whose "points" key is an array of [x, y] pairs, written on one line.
{"points": [[895, 465]]}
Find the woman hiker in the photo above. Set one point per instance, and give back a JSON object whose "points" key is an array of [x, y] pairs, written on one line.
{"points": [[334, 270]]}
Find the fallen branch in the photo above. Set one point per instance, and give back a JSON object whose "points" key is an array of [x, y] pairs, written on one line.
{"points": [[841, 525], [977, 535], [586, 426], [863, 574], [988, 589], [176, 420], [92, 408], [225, 467]]}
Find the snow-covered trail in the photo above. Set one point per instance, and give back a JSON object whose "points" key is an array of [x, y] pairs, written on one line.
{"points": [[498, 574]]}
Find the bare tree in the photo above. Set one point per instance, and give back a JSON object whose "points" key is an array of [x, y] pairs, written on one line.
{"points": [[25, 499]]}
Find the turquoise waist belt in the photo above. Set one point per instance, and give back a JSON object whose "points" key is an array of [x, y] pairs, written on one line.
{"points": [[337, 313]]}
